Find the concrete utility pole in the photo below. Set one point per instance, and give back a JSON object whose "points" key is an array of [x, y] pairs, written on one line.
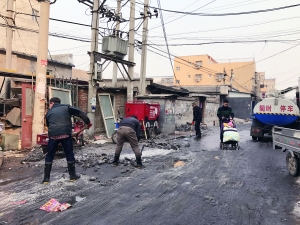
{"points": [[131, 50], [144, 50], [93, 73], [231, 79], [9, 37], [41, 69], [115, 67]]}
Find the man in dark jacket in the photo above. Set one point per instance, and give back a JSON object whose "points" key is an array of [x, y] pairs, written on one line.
{"points": [[58, 120], [197, 118], [224, 113], [129, 130]]}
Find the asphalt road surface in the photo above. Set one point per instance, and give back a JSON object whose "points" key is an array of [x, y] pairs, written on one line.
{"points": [[249, 186]]}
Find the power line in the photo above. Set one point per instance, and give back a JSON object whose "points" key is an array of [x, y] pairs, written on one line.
{"points": [[184, 15], [225, 42], [229, 14], [164, 30], [234, 27], [270, 56]]}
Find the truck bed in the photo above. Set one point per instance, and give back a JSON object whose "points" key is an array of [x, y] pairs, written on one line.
{"points": [[287, 139]]}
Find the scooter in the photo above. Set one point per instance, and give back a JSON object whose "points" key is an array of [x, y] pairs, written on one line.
{"points": [[117, 125]]}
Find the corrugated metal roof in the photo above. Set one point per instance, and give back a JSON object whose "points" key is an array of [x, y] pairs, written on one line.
{"points": [[203, 89], [156, 96], [81, 75]]}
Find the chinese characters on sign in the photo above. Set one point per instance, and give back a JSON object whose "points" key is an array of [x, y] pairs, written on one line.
{"points": [[283, 108], [265, 108]]}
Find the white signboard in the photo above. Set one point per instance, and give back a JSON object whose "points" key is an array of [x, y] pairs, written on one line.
{"points": [[283, 107]]}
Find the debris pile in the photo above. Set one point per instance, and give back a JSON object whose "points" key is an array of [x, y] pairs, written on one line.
{"points": [[35, 155], [184, 127]]}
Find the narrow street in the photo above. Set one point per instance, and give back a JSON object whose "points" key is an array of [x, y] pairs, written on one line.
{"points": [[249, 186]]}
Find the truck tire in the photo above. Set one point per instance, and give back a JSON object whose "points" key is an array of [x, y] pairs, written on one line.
{"points": [[254, 138], [260, 138], [292, 164], [114, 137]]}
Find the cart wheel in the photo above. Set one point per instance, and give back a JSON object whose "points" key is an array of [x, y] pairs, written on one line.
{"points": [[292, 164], [238, 147], [254, 138], [221, 145], [45, 150], [81, 140], [114, 137]]}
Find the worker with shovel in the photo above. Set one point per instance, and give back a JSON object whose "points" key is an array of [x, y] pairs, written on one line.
{"points": [[129, 130], [197, 118], [59, 124]]}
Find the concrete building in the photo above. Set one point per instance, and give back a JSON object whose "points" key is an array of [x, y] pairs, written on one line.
{"points": [[23, 41], [268, 87], [203, 70]]}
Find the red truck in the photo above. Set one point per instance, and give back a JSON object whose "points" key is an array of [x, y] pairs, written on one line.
{"points": [[147, 114]]}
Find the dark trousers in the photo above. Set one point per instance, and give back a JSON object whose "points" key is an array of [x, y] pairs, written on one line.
{"points": [[67, 144], [197, 128]]}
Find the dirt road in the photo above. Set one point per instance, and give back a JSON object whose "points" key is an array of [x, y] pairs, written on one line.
{"points": [[249, 186]]}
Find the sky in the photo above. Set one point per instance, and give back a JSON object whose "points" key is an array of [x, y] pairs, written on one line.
{"points": [[277, 54]]}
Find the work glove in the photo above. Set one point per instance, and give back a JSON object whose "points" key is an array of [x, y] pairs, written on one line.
{"points": [[89, 125], [193, 122]]}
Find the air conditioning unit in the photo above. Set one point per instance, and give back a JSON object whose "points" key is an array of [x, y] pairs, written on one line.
{"points": [[197, 80], [197, 67], [219, 80]]}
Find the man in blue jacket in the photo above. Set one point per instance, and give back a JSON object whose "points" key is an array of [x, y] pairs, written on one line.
{"points": [[59, 123]]}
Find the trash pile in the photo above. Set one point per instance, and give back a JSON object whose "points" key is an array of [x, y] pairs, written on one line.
{"points": [[184, 127], [35, 155], [54, 206], [92, 159]]}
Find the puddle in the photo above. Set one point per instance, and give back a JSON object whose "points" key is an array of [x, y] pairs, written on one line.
{"points": [[172, 163], [149, 152]]}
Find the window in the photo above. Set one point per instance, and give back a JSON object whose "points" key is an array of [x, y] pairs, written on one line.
{"points": [[219, 76], [189, 76], [198, 76], [177, 81], [49, 72], [177, 68], [199, 63], [34, 14]]}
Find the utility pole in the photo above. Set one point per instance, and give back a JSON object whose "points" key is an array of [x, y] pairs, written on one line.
{"points": [[225, 74], [144, 50], [115, 67], [9, 37], [131, 50], [231, 79], [41, 69], [93, 73]]}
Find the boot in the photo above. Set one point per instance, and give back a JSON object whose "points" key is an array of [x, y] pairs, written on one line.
{"points": [[72, 172], [116, 160], [139, 162], [47, 172]]}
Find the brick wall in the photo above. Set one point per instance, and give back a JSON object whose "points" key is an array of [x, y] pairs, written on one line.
{"points": [[83, 99]]}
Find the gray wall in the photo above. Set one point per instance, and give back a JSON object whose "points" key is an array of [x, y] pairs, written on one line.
{"points": [[241, 106], [167, 114]]}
